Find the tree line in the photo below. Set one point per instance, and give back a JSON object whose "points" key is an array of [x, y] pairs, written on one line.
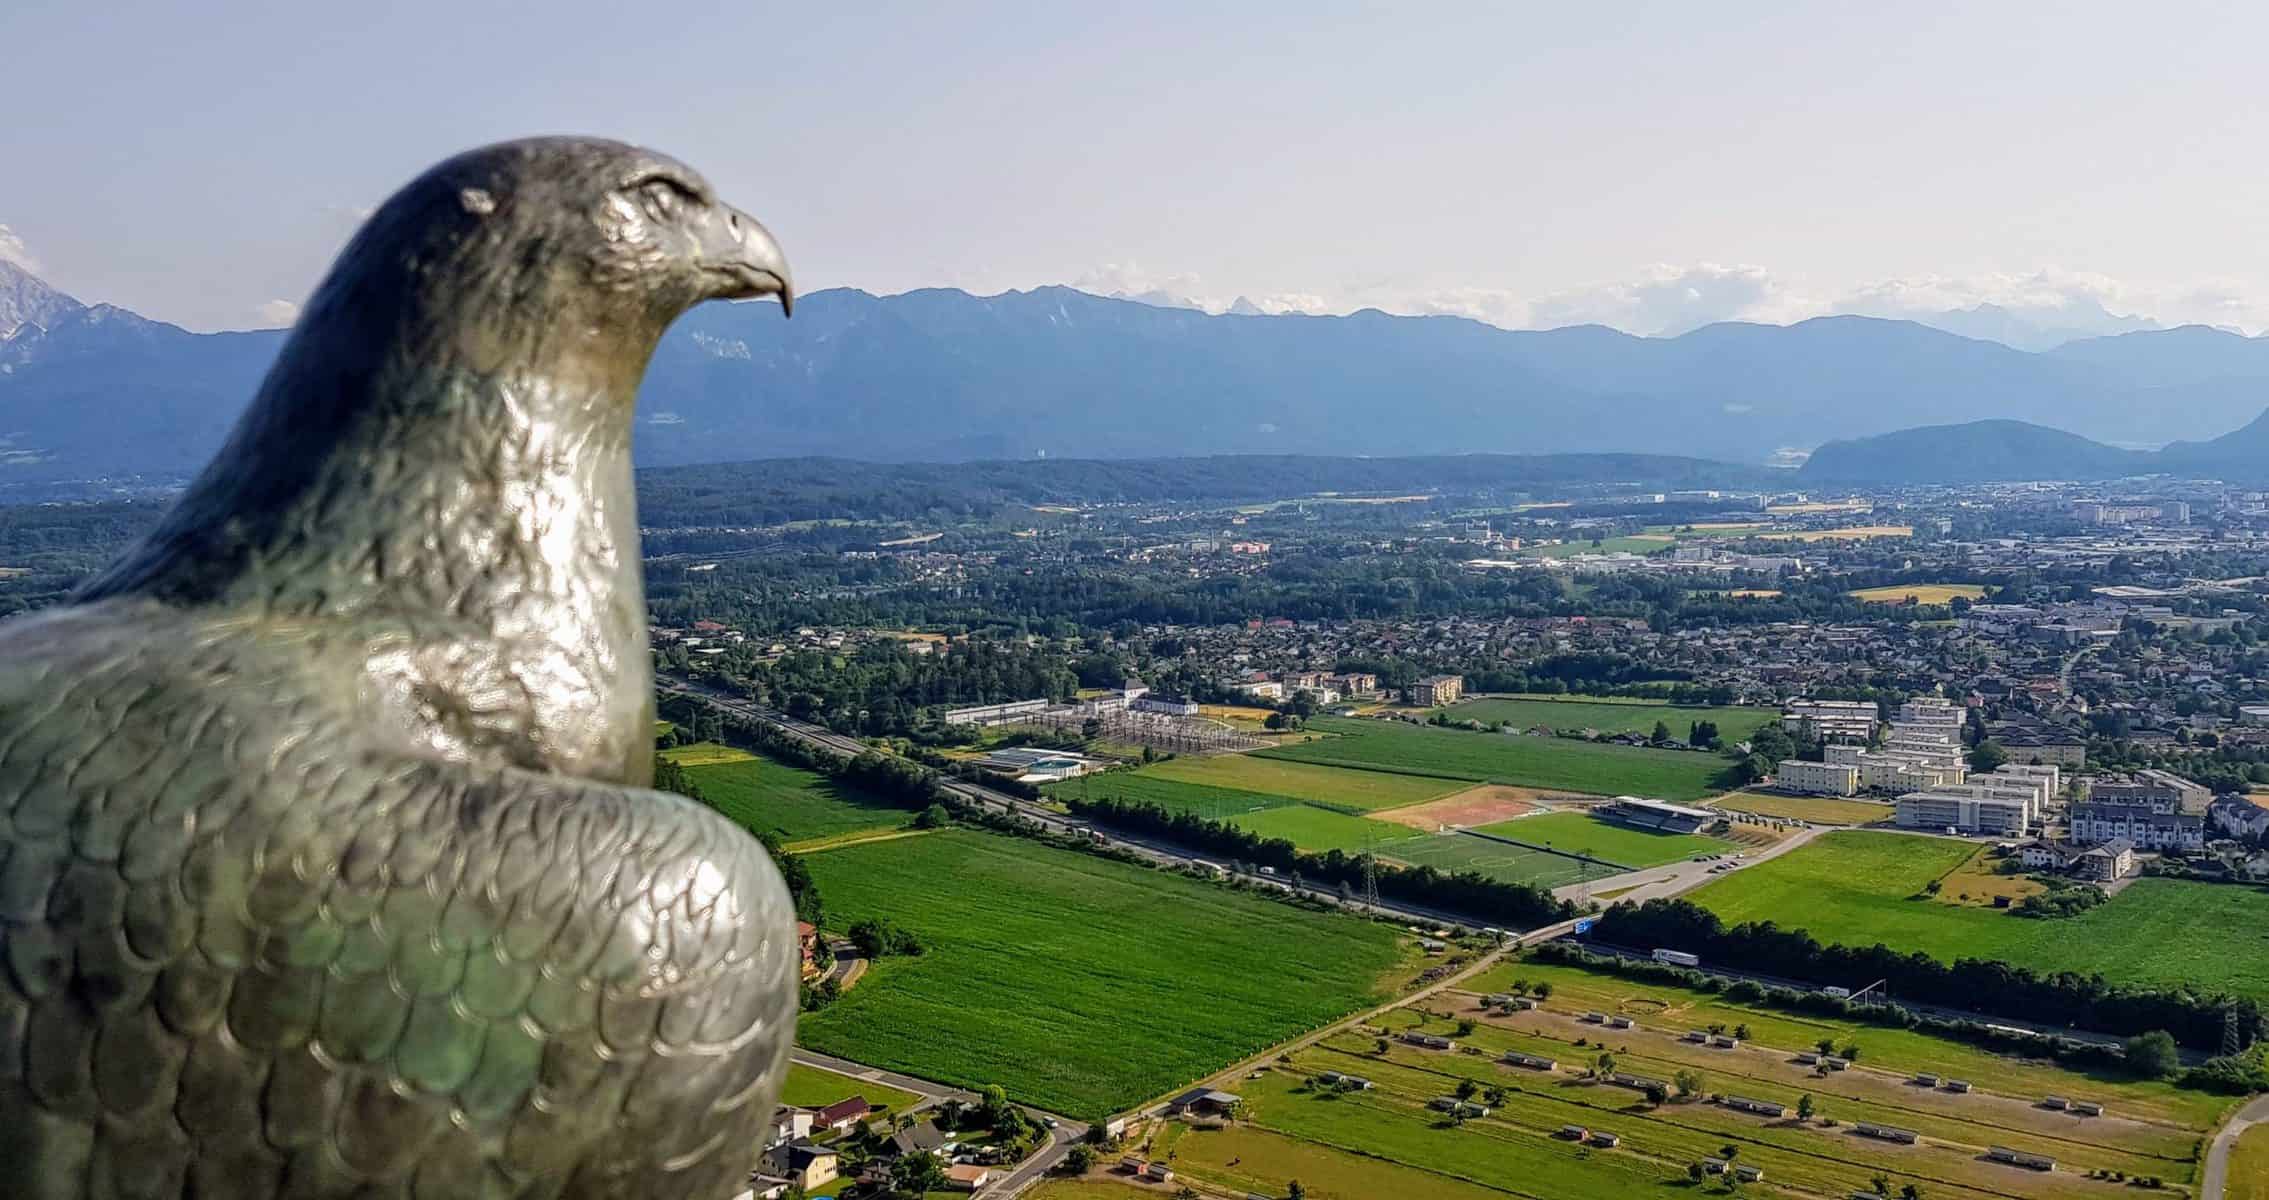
{"points": [[1981, 985]]}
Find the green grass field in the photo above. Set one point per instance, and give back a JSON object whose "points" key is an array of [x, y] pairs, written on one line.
{"points": [[1822, 810], [1079, 984], [2249, 1166], [1644, 543], [1669, 1006], [1582, 833], [1455, 852], [1556, 763], [811, 1087], [1734, 723], [1308, 826], [1854, 888], [1274, 773], [790, 802]]}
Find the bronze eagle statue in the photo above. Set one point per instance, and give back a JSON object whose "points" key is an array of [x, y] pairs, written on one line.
{"points": [[327, 862]]}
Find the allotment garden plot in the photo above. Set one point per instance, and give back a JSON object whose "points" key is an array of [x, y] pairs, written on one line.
{"points": [[1388, 1139]]}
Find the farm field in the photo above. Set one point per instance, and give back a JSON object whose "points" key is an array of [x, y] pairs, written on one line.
{"points": [[1820, 810], [1638, 543], [1553, 763], [1088, 1189], [1455, 852], [2248, 1177], [1848, 533], [1389, 1132], [1582, 833], [1855, 887], [1275, 772], [1734, 723], [811, 1087], [1660, 1007], [1923, 593], [793, 804], [1079, 984], [1174, 795]]}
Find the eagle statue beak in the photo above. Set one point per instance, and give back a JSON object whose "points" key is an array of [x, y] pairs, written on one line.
{"points": [[749, 263]]}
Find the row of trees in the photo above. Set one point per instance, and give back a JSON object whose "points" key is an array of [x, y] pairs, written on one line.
{"points": [[1469, 893], [2065, 998]]}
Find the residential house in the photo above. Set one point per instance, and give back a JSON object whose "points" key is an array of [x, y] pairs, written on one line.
{"points": [[921, 1138], [805, 1164], [843, 1114]]}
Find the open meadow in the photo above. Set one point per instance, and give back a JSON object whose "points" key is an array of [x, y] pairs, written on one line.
{"points": [[1734, 723], [799, 807], [1920, 593], [2249, 1166], [1540, 762], [1278, 772], [811, 1087], [1455, 852], [1585, 834], [1861, 888], [1079, 984], [1820, 810]]}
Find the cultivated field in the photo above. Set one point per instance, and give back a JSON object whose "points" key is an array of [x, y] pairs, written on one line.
{"points": [[1312, 828], [1638, 543], [1174, 795], [1920, 593], [796, 805], [2248, 1177], [1582, 833], [1272, 773], [1079, 984], [1848, 533], [1455, 852], [1862, 888], [1610, 716], [1539, 762], [1386, 1141], [810, 1087], [1820, 810]]}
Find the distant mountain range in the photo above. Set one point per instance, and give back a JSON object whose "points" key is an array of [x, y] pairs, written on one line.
{"points": [[944, 376], [2001, 451]]}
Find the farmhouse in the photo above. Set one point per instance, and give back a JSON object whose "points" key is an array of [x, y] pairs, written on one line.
{"points": [[1204, 1100]]}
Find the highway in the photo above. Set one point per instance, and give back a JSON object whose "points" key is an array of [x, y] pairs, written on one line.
{"points": [[1159, 853]]}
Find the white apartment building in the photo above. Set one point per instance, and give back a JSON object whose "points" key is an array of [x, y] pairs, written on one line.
{"points": [[1960, 809], [1832, 719], [1817, 778]]}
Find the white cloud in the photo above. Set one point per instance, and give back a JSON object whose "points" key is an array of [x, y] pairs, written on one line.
{"points": [[276, 314], [2040, 308], [1667, 299], [13, 250]]}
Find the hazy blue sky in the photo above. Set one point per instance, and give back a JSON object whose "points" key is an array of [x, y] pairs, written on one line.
{"points": [[1654, 166]]}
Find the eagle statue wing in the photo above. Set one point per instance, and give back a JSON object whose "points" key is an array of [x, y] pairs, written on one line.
{"points": [[253, 950]]}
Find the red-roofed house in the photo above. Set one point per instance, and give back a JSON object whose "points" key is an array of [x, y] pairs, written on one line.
{"points": [[843, 1114], [807, 935]]}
